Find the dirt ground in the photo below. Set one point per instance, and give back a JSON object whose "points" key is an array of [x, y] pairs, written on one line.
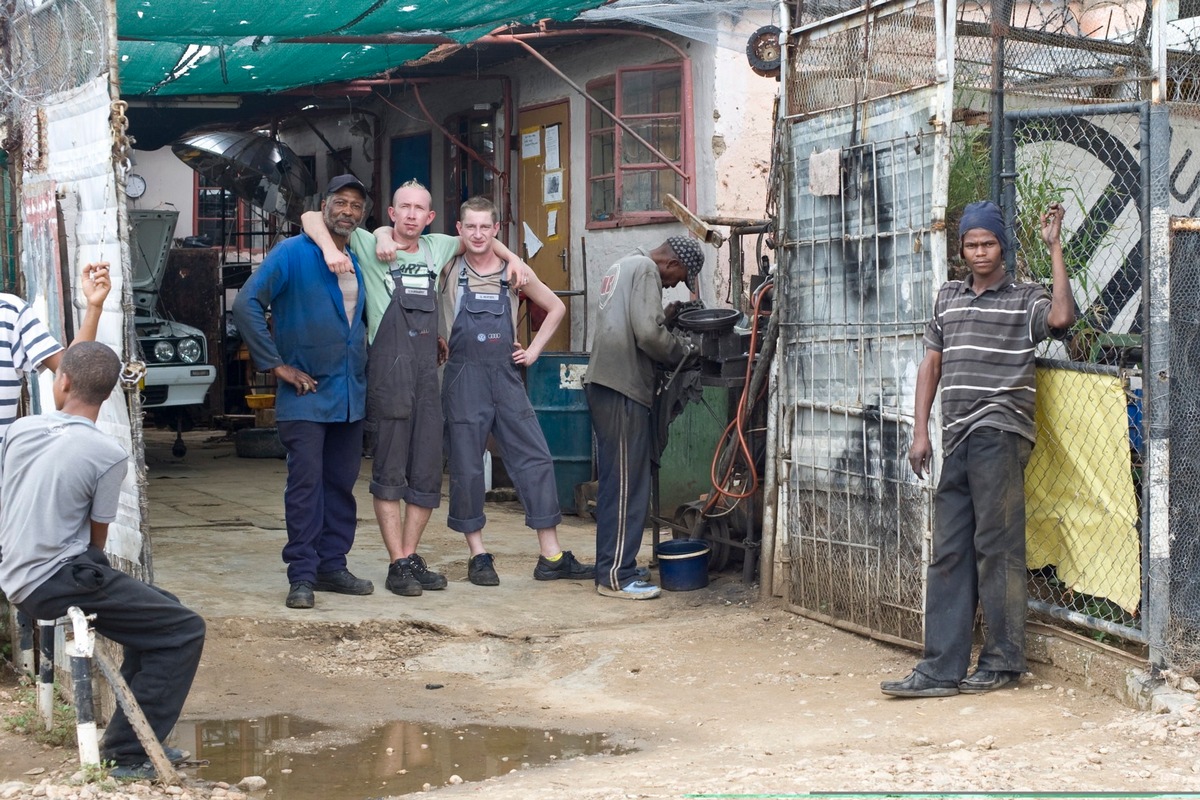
{"points": [[705, 692]]}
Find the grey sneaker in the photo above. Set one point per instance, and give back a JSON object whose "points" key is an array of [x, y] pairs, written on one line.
{"points": [[566, 567], [425, 576], [634, 590], [133, 772], [300, 595], [401, 580], [481, 571]]}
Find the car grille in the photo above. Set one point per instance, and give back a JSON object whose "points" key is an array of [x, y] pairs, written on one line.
{"points": [[155, 395]]}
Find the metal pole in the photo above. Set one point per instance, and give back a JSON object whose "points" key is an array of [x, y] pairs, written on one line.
{"points": [[45, 692], [999, 28], [26, 663], [80, 649]]}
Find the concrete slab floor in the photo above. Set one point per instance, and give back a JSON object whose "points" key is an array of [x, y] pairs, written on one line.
{"points": [[217, 528]]}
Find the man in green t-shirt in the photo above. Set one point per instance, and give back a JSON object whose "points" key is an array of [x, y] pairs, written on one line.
{"points": [[399, 269]]}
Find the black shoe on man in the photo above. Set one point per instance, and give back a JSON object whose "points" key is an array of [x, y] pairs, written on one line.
{"points": [[343, 582], [481, 570], [986, 680], [401, 580], [918, 684], [300, 595], [428, 579], [566, 568]]}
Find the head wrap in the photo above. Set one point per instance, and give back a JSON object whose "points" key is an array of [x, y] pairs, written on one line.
{"points": [[688, 251], [987, 215]]}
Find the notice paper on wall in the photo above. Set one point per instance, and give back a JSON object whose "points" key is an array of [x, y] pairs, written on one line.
{"points": [[551, 224], [552, 158], [533, 244], [552, 187], [531, 143]]}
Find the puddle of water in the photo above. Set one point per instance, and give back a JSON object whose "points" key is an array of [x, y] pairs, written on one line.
{"points": [[302, 760]]}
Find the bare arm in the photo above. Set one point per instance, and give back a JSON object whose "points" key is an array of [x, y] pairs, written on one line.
{"points": [[95, 282], [541, 295], [336, 259], [99, 534], [519, 273], [385, 244], [929, 375], [1062, 304]]}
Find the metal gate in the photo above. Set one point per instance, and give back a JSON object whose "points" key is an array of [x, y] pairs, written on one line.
{"points": [[862, 171], [1087, 527]]}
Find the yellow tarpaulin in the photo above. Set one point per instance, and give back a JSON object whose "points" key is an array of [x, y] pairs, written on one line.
{"points": [[1080, 503]]}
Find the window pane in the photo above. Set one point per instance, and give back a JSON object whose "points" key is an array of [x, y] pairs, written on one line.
{"points": [[645, 190], [603, 202], [212, 202], [606, 95], [662, 133], [602, 153], [650, 91]]}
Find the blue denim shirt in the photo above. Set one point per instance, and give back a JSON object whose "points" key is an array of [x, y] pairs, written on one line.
{"points": [[311, 332]]}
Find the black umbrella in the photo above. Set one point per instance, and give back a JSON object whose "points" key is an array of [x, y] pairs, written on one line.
{"points": [[256, 168]]}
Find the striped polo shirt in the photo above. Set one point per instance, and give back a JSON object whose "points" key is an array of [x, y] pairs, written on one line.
{"points": [[25, 343], [987, 343]]}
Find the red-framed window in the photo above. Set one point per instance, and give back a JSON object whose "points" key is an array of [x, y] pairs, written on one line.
{"points": [[220, 216], [627, 184]]}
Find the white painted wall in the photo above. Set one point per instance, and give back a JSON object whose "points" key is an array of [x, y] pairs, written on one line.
{"points": [[170, 184]]}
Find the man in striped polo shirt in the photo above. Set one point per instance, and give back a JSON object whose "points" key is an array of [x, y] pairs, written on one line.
{"points": [[26, 345], [980, 347]]}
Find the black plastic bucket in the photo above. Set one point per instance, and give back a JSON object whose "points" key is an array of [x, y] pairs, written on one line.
{"points": [[683, 564]]}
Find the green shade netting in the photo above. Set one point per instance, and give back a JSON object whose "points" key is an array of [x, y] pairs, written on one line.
{"points": [[172, 47]]}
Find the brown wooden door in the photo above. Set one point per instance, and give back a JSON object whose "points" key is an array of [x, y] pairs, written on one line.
{"points": [[545, 208]]}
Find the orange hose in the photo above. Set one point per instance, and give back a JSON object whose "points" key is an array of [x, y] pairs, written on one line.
{"points": [[738, 426]]}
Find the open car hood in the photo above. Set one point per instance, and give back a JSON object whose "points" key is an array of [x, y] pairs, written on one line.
{"points": [[151, 234]]}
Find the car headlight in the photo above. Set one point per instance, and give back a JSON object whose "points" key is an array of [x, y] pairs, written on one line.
{"points": [[190, 350], [164, 351]]}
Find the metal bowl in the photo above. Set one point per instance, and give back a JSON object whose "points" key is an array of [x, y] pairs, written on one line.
{"points": [[709, 320]]}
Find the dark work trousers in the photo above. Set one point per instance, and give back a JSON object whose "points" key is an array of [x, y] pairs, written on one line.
{"points": [[622, 429], [483, 394], [978, 557], [322, 462], [403, 402], [162, 641]]}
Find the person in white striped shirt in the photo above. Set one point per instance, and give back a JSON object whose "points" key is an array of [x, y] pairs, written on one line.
{"points": [[26, 345], [980, 347]]}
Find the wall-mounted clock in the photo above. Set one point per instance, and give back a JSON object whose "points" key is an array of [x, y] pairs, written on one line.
{"points": [[135, 186]]}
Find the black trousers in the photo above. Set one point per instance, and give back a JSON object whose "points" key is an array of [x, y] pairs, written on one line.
{"points": [[162, 639], [978, 557], [623, 496]]}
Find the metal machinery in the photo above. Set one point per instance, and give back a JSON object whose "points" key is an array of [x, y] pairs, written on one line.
{"points": [[733, 352]]}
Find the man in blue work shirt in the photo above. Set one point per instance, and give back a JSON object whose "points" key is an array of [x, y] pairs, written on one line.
{"points": [[318, 354]]}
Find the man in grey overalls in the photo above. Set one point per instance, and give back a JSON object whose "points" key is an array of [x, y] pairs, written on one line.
{"points": [[482, 394]]}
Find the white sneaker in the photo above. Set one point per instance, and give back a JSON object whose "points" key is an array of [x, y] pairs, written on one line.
{"points": [[634, 590]]}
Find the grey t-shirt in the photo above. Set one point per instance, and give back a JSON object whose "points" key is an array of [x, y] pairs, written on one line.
{"points": [[58, 472]]}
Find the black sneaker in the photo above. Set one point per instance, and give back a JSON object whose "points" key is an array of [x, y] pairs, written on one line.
{"points": [[428, 579], [300, 595], [342, 582], [401, 580], [566, 567], [917, 684], [983, 680], [481, 572]]}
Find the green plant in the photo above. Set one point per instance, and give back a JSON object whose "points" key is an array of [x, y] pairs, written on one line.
{"points": [[26, 720], [1040, 181]]}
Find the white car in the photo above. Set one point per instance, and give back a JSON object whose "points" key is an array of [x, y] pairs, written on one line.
{"points": [[178, 374]]}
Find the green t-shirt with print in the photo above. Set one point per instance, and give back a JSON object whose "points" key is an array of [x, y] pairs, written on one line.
{"points": [[362, 244]]}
